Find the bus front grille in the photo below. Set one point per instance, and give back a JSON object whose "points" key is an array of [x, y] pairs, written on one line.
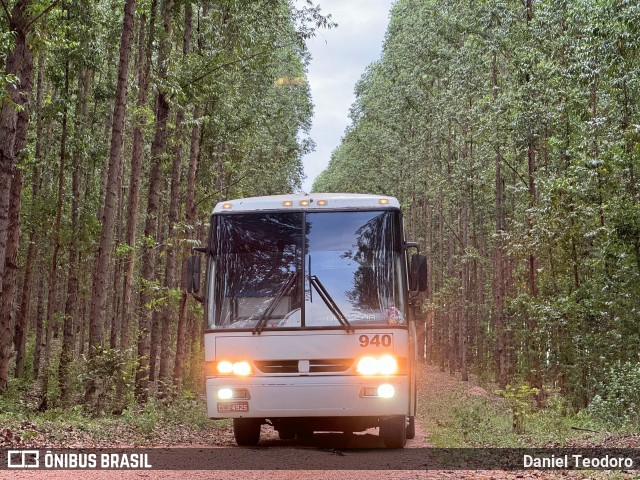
{"points": [[317, 365], [330, 365], [277, 366]]}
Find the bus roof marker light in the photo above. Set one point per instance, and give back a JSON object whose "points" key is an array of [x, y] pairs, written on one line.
{"points": [[304, 203], [226, 206], [287, 203], [322, 203], [383, 201]]}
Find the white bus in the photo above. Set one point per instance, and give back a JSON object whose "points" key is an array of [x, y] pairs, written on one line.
{"points": [[309, 316]]}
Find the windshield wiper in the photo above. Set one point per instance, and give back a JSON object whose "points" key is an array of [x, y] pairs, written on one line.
{"points": [[274, 303], [326, 298]]}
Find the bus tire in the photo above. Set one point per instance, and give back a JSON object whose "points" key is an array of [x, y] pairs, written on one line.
{"points": [[246, 431], [393, 431], [411, 428]]}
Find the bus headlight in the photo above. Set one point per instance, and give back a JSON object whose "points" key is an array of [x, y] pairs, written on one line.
{"points": [[385, 365], [241, 368], [388, 365], [225, 367]]}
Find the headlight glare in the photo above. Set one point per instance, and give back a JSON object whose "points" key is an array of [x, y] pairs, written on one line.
{"points": [[385, 365], [388, 365], [225, 367], [367, 366], [241, 368]]}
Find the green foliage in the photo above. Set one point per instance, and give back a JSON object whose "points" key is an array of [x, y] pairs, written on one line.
{"points": [[123, 250], [160, 295], [429, 126], [7, 40], [144, 418], [183, 411], [239, 87], [105, 369], [455, 419], [617, 402], [521, 401]]}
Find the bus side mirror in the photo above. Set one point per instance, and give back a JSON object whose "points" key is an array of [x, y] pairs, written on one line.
{"points": [[193, 274], [418, 273]]}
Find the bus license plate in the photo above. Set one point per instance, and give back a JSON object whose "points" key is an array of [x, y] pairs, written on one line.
{"points": [[225, 407]]}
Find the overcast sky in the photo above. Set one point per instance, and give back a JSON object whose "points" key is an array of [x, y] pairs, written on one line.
{"points": [[340, 56]]}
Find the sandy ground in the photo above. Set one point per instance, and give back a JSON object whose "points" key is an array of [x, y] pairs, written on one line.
{"points": [[288, 451]]}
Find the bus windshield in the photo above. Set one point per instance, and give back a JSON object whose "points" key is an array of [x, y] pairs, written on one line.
{"points": [[316, 269]]}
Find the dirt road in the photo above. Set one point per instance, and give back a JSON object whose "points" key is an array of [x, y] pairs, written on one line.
{"points": [[289, 452]]}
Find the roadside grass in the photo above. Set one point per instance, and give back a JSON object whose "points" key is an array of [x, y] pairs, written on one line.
{"points": [[184, 417], [453, 417], [456, 418]]}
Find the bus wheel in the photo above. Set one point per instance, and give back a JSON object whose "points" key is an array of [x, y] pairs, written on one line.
{"points": [[246, 431], [393, 431], [411, 428]]}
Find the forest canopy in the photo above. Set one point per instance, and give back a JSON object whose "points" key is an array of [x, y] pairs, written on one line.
{"points": [[123, 122], [510, 132]]}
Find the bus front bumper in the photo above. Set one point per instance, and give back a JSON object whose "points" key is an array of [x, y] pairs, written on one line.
{"points": [[321, 396]]}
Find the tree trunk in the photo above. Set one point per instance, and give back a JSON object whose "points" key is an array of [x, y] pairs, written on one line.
{"points": [[101, 273], [71, 305], [59, 204], [144, 66], [442, 323], [153, 345], [498, 255], [116, 317], [14, 121], [21, 324], [171, 266], [52, 301], [464, 298], [7, 310], [194, 153], [147, 270], [535, 344], [156, 317], [39, 346]]}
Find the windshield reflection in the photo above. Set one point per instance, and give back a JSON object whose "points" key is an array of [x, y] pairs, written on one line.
{"points": [[259, 277], [255, 256], [356, 255]]}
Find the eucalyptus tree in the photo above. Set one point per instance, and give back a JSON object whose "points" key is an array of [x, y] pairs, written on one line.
{"points": [[245, 74], [21, 18], [158, 147], [100, 276], [506, 130], [222, 83]]}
